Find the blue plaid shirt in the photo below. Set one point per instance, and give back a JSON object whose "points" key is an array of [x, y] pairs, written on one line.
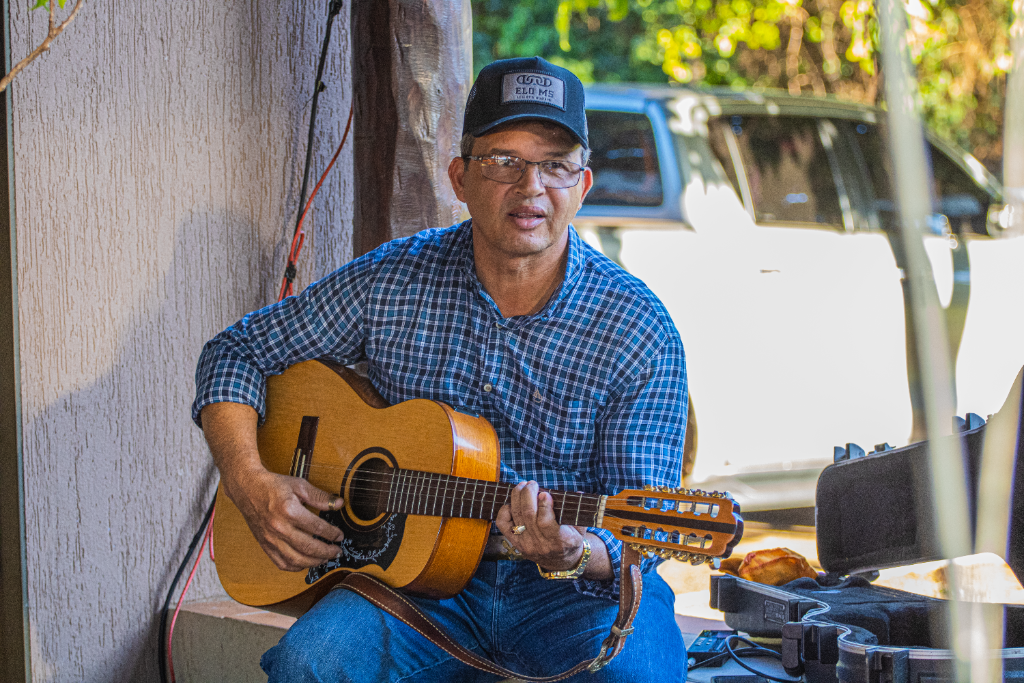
{"points": [[589, 394]]}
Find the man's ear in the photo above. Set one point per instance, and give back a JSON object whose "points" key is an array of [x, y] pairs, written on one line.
{"points": [[456, 173], [588, 182]]}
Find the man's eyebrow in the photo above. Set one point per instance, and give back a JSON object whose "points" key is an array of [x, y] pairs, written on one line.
{"points": [[514, 153]]}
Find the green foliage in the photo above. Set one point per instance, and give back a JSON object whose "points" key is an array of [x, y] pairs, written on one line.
{"points": [[45, 4], [960, 48]]}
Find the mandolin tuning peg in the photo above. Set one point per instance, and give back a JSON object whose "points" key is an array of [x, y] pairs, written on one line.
{"points": [[696, 560], [682, 555], [665, 553], [648, 487]]}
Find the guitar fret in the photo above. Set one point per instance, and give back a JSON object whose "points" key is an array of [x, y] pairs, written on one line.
{"points": [[432, 493], [445, 497], [413, 484], [561, 506], [579, 504], [421, 499], [439, 496]]}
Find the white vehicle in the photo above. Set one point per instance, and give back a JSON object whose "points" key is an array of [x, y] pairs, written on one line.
{"points": [[764, 224]]}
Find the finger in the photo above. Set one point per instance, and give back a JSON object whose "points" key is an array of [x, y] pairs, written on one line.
{"points": [[293, 549], [320, 500], [546, 511], [317, 498], [524, 503], [504, 519], [313, 524], [291, 559]]}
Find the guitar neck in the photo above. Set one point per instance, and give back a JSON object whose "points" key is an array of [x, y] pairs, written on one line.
{"points": [[442, 495]]}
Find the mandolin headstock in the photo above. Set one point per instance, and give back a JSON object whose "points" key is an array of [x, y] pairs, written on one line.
{"points": [[685, 524]]}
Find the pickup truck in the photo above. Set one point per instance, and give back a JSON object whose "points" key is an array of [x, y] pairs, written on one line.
{"points": [[765, 224]]}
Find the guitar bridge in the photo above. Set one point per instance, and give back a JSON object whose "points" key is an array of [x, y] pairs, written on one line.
{"points": [[303, 456]]}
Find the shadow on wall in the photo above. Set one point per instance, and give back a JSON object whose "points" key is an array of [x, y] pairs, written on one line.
{"points": [[117, 475]]}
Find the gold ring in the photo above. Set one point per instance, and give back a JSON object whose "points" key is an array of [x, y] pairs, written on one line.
{"points": [[334, 501], [519, 529]]}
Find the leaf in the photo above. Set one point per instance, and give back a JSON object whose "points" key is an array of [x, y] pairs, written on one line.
{"points": [[40, 3]]}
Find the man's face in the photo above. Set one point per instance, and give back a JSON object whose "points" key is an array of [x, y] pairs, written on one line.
{"points": [[525, 218]]}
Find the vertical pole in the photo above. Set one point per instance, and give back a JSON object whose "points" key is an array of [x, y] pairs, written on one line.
{"points": [[948, 470], [14, 642], [374, 124]]}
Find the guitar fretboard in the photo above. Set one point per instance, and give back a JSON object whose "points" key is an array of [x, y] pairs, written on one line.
{"points": [[442, 495]]}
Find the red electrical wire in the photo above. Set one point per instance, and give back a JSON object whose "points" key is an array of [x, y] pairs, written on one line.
{"points": [[181, 600], [286, 291], [300, 235]]}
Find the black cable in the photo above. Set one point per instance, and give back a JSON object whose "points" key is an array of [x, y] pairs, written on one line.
{"points": [[719, 658], [174, 583], [761, 651], [333, 8]]}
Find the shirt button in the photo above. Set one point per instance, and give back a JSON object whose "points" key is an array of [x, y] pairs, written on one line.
{"points": [[488, 387]]}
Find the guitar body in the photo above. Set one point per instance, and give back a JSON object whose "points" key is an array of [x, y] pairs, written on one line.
{"points": [[346, 433]]}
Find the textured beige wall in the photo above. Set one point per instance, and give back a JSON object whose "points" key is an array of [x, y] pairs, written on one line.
{"points": [[158, 156]]}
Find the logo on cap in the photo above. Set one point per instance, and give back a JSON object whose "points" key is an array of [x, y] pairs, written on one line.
{"points": [[533, 87]]}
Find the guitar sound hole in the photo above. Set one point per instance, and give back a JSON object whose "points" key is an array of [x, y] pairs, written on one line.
{"points": [[369, 489]]}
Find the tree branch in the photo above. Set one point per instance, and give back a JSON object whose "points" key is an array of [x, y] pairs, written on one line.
{"points": [[53, 31]]}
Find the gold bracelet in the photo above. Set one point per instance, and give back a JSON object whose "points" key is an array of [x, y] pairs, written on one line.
{"points": [[574, 573]]}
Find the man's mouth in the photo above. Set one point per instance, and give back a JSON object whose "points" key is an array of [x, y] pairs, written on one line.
{"points": [[527, 217]]}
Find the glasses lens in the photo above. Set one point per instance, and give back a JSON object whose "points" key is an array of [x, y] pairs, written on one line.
{"points": [[503, 169], [556, 175], [559, 174]]}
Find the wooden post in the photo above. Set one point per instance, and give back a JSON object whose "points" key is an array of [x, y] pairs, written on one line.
{"points": [[412, 71]]}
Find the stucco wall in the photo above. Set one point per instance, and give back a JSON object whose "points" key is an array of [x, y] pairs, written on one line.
{"points": [[158, 154]]}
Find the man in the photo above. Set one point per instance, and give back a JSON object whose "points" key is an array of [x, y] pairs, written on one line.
{"points": [[511, 315]]}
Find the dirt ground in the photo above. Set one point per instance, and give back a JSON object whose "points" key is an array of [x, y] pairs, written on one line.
{"points": [[987, 577]]}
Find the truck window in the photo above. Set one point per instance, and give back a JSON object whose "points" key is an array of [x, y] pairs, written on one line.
{"points": [[624, 160], [954, 193], [787, 169]]}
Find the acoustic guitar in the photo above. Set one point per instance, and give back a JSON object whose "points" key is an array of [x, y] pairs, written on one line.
{"points": [[419, 481]]}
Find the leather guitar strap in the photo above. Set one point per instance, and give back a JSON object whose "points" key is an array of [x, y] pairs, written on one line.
{"points": [[400, 607]]}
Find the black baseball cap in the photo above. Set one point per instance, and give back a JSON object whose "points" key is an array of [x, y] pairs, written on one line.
{"points": [[525, 88]]}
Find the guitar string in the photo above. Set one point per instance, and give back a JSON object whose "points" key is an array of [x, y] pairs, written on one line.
{"points": [[381, 484], [385, 480]]}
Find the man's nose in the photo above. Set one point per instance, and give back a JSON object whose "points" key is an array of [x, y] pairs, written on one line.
{"points": [[531, 180]]}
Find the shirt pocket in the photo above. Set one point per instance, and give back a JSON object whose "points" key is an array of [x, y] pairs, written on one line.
{"points": [[560, 429]]}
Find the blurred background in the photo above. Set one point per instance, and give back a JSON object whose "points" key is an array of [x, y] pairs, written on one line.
{"points": [[961, 50]]}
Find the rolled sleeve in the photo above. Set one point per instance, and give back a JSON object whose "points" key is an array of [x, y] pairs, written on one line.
{"points": [[325, 320]]}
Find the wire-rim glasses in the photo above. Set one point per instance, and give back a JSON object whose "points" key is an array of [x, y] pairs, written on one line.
{"points": [[556, 175]]}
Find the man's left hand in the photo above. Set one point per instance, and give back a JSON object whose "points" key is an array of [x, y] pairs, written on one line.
{"points": [[553, 546]]}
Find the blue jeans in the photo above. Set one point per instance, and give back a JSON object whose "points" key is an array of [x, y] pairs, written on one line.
{"points": [[508, 613]]}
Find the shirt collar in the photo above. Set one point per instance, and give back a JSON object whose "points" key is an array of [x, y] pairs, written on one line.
{"points": [[574, 267]]}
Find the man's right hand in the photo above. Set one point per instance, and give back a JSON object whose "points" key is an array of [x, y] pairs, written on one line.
{"points": [[273, 505]]}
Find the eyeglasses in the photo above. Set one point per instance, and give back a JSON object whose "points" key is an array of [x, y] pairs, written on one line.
{"points": [[556, 175]]}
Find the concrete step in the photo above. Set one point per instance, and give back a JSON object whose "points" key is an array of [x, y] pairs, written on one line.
{"points": [[222, 640]]}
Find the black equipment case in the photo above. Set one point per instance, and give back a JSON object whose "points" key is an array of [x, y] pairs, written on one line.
{"points": [[873, 511]]}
